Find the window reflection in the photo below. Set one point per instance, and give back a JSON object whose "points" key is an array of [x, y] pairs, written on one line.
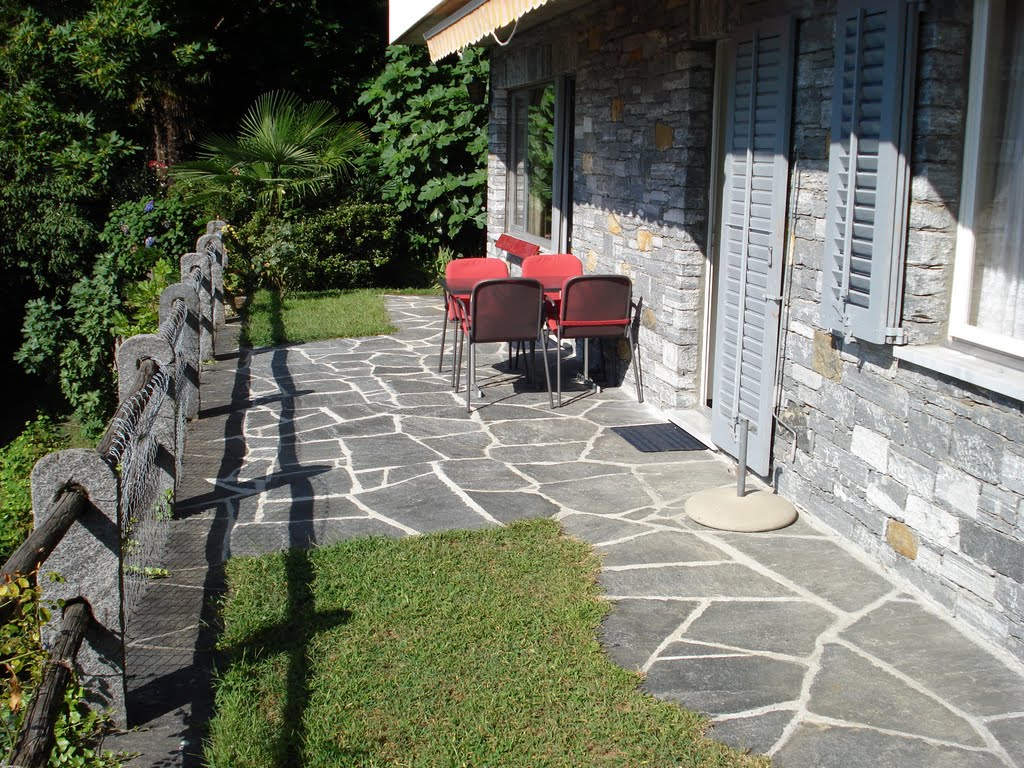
{"points": [[533, 148]]}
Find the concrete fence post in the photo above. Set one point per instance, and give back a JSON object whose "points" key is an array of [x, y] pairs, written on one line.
{"points": [[187, 357], [89, 561], [214, 245], [165, 427], [206, 328]]}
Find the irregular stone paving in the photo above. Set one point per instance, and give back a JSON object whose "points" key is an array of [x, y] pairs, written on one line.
{"points": [[793, 645]]}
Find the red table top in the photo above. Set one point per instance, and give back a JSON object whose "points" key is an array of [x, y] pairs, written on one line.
{"points": [[463, 286]]}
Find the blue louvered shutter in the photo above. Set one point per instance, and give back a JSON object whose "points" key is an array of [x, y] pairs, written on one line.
{"points": [[868, 174], [749, 268]]}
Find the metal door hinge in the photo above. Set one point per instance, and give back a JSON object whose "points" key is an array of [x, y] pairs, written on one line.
{"points": [[895, 336]]}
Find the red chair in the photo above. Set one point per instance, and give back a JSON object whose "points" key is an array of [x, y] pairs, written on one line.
{"points": [[595, 306], [509, 309], [462, 270], [551, 269]]}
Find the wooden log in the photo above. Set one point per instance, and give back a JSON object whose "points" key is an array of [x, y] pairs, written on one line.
{"points": [[70, 505], [147, 369], [36, 739]]}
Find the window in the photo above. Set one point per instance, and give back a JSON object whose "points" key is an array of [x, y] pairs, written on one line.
{"points": [[538, 182], [988, 285], [868, 176]]}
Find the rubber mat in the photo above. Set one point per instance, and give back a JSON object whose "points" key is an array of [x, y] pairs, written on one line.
{"points": [[653, 438]]}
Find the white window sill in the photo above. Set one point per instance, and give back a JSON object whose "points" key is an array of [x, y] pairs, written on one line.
{"points": [[1003, 376]]}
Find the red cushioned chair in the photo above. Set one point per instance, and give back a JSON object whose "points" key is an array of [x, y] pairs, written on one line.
{"points": [[595, 306], [461, 269], [552, 269], [509, 309]]}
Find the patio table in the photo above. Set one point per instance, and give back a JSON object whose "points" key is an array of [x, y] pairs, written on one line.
{"points": [[461, 289]]}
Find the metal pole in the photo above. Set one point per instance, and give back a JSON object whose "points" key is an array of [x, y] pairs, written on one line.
{"points": [[743, 425]]}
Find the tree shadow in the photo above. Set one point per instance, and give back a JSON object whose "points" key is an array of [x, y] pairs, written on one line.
{"points": [[176, 682]]}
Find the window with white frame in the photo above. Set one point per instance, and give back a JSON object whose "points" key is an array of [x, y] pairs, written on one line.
{"points": [[988, 287], [537, 175]]}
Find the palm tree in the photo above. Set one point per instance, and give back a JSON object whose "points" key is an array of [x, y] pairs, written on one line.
{"points": [[284, 146]]}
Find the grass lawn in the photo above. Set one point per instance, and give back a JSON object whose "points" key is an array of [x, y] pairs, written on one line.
{"points": [[298, 317], [456, 649]]}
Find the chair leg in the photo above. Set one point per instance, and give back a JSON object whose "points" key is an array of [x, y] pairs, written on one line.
{"points": [[456, 331], [470, 379], [472, 368], [635, 348], [586, 367], [444, 331], [558, 368], [457, 353], [547, 373]]}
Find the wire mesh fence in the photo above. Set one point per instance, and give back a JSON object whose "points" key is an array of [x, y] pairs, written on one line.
{"points": [[144, 501], [113, 544]]}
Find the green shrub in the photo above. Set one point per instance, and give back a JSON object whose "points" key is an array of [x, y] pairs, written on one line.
{"points": [[349, 246], [141, 306], [78, 729], [261, 249], [429, 159], [344, 247], [71, 336], [17, 458], [141, 233]]}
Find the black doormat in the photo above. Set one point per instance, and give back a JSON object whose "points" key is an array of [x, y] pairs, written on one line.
{"points": [[652, 438]]}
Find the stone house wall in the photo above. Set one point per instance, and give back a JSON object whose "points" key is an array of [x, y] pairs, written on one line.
{"points": [[921, 471]]}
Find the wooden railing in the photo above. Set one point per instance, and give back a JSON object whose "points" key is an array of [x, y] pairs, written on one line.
{"points": [[92, 505]]}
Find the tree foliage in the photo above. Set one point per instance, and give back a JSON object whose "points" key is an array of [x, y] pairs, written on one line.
{"points": [[91, 91], [430, 125], [284, 146], [75, 81]]}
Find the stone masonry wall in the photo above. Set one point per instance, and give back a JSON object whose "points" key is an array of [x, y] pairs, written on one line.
{"points": [[924, 473], [641, 134]]}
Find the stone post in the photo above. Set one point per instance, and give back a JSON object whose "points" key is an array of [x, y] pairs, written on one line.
{"points": [[186, 353], [214, 245], [129, 355], [203, 261], [89, 560]]}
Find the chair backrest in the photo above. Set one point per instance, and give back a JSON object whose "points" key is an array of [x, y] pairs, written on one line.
{"points": [[474, 266], [545, 265], [595, 305], [507, 309], [516, 247]]}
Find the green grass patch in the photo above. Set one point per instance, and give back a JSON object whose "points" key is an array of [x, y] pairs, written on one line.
{"points": [[456, 649], [40, 437], [299, 317]]}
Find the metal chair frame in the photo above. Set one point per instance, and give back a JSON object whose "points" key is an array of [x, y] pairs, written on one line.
{"points": [[471, 327], [577, 329], [450, 316]]}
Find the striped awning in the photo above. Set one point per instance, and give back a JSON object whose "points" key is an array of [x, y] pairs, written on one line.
{"points": [[473, 23]]}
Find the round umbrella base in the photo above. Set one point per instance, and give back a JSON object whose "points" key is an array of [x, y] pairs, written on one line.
{"points": [[721, 508]]}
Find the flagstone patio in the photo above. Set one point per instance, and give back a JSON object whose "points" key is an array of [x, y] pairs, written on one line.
{"points": [[791, 642]]}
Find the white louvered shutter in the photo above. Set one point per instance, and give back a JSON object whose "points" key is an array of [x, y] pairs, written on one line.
{"points": [[868, 174], [752, 239]]}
